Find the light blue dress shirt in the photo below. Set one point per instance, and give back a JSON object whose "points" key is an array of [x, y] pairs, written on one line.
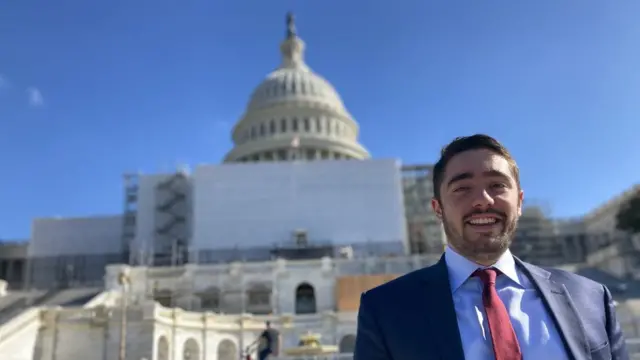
{"points": [[534, 327]]}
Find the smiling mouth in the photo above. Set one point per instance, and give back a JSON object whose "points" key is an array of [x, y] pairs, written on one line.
{"points": [[480, 221]]}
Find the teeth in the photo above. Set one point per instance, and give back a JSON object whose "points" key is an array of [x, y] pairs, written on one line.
{"points": [[483, 221]]}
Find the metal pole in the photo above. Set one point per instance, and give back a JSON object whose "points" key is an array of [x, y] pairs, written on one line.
{"points": [[243, 308], [124, 282]]}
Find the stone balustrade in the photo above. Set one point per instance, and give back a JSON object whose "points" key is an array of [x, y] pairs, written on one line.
{"points": [[335, 267]]}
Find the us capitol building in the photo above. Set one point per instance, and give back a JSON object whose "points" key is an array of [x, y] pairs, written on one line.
{"points": [[295, 223]]}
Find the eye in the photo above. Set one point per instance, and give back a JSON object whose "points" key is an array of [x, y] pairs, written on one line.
{"points": [[499, 185], [461, 188]]}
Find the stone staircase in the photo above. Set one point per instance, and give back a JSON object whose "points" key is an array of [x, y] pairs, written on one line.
{"points": [[21, 317]]}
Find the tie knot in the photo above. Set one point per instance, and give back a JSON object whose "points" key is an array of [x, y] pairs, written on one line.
{"points": [[488, 276]]}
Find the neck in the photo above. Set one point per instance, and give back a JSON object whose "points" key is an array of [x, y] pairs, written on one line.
{"points": [[482, 259]]}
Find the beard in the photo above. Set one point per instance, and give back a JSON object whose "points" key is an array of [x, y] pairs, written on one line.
{"points": [[481, 248]]}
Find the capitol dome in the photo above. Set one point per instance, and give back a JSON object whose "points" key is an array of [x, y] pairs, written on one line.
{"points": [[295, 114]]}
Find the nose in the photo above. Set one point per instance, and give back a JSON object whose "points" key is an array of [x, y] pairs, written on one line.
{"points": [[482, 200]]}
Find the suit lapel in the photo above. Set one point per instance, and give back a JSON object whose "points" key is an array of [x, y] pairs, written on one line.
{"points": [[441, 314], [559, 304]]}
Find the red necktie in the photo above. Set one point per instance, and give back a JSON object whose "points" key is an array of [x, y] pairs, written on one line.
{"points": [[503, 338]]}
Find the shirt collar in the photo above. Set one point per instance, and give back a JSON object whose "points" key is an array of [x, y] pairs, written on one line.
{"points": [[461, 268]]}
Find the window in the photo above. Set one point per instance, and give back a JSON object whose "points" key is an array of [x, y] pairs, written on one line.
{"points": [[305, 299], [311, 154]]}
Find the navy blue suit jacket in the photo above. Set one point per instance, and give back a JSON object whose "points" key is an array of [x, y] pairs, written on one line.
{"points": [[413, 317]]}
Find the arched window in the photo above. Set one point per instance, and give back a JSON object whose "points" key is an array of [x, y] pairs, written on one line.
{"points": [[305, 299], [347, 344], [227, 350], [162, 349], [191, 350]]}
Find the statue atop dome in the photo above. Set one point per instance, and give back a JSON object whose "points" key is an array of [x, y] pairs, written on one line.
{"points": [[291, 26]]}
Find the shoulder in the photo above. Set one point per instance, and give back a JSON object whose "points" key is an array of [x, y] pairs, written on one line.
{"points": [[571, 278], [574, 283]]}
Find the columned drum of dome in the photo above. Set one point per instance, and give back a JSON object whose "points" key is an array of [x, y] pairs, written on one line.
{"points": [[295, 114]]}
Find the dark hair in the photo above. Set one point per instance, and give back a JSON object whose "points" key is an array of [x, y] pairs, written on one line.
{"points": [[466, 143]]}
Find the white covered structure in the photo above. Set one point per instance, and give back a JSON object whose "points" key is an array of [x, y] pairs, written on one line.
{"points": [[259, 205], [231, 212], [75, 236]]}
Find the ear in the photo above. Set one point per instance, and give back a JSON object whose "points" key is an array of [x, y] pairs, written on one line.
{"points": [[435, 205], [520, 202]]}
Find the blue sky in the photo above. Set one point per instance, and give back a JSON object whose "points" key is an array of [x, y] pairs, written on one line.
{"points": [[92, 89]]}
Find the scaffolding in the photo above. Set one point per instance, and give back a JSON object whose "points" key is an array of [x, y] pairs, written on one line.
{"points": [[172, 232], [226, 293], [129, 217], [422, 225]]}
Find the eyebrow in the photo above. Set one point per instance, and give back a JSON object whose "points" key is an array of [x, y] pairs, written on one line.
{"points": [[469, 175]]}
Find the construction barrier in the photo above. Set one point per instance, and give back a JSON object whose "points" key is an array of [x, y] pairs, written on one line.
{"points": [[349, 288]]}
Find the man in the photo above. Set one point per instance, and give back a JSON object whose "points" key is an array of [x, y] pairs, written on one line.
{"points": [[479, 302], [268, 342]]}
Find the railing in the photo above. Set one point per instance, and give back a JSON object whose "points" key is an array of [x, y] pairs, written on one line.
{"points": [[13, 326], [371, 265], [13, 309], [104, 298], [23, 303]]}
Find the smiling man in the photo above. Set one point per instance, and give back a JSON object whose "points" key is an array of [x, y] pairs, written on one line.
{"points": [[479, 302]]}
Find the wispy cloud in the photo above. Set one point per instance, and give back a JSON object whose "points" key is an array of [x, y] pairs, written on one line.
{"points": [[35, 97]]}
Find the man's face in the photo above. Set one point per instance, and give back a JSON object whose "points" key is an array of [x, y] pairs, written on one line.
{"points": [[480, 204]]}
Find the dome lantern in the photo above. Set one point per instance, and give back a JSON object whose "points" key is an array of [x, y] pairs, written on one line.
{"points": [[292, 48]]}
